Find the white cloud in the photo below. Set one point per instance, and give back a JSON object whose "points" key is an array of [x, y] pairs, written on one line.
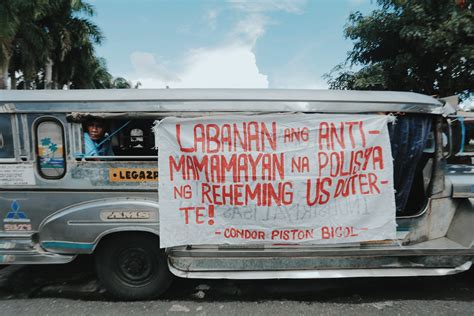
{"points": [[297, 80], [250, 28], [229, 66], [290, 6], [211, 18], [146, 65], [254, 17], [184, 28], [232, 66]]}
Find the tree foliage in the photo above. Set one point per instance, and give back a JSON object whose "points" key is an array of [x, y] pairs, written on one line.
{"points": [[72, 39], [425, 46], [121, 83], [50, 44], [20, 36]]}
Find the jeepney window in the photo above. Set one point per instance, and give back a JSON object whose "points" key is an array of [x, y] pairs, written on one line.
{"points": [[462, 140], [468, 136], [412, 143], [6, 137], [50, 149], [121, 140]]}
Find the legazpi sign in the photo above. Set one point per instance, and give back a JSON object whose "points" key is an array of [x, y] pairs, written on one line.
{"points": [[133, 175]]}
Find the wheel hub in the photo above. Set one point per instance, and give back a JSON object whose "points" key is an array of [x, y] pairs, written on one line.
{"points": [[135, 265]]}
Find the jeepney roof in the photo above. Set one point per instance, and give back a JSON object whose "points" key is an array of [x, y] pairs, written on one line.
{"points": [[220, 100]]}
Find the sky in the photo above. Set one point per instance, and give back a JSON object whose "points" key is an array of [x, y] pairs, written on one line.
{"points": [[225, 44]]}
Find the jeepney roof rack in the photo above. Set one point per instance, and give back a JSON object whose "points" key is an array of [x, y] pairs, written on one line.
{"points": [[220, 100]]}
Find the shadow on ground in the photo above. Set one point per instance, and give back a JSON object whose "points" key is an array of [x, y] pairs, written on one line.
{"points": [[77, 280]]}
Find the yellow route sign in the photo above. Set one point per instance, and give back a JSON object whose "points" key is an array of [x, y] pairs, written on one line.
{"points": [[133, 175]]}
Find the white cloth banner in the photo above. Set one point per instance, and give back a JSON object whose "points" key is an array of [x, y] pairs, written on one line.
{"points": [[275, 179]]}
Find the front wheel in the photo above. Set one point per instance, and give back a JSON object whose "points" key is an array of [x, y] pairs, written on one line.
{"points": [[131, 266]]}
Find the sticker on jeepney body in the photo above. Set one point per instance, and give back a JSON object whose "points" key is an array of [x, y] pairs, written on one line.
{"points": [[17, 174]]}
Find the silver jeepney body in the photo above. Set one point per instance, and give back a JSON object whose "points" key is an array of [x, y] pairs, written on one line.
{"points": [[69, 216]]}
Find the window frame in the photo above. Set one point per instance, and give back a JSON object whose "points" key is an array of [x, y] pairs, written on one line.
{"points": [[115, 158], [15, 140], [36, 124]]}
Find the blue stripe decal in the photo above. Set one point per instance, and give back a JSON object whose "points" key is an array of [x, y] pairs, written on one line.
{"points": [[463, 133], [403, 229], [67, 245]]}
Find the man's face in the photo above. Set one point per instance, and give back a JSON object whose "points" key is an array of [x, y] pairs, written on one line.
{"points": [[96, 130]]}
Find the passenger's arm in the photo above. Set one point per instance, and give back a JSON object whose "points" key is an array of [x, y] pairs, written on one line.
{"points": [[89, 145]]}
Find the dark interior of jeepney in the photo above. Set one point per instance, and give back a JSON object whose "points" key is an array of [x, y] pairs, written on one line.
{"points": [[129, 139], [412, 137]]}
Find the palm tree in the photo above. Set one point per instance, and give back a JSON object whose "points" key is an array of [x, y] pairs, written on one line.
{"points": [[85, 70], [53, 148], [45, 141], [21, 38], [8, 26], [30, 51], [99, 78], [49, 41], [121, 83], [71, 33]]}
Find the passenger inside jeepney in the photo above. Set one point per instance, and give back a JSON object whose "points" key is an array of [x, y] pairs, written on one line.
{"points": [[122, 139], [96, 140]]}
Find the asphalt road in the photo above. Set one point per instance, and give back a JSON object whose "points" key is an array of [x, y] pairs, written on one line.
{"points": [[73, 290]]}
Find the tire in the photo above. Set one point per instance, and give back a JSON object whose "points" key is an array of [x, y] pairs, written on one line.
{"points": [[131, 267]]}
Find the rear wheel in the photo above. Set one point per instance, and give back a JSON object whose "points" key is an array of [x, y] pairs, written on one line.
{"points": [[132, 267]]}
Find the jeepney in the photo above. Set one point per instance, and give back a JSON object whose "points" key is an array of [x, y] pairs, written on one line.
{"points": [[57, 202]]}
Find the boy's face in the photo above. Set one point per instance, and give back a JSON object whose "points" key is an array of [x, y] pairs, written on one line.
{"points": [[96, 130]]}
